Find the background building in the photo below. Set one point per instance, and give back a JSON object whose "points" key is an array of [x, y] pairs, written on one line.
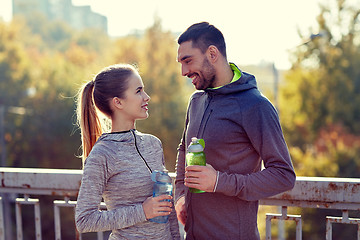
{"points": [[79, 17]]}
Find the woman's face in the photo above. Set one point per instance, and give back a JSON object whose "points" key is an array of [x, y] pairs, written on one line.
{"points": [[135, 103]]}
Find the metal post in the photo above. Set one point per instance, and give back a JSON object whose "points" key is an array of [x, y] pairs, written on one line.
{"points": [[5, 196], [2, 135], [268, 227], [19, 229], [57, 222], [281, 227], [37, 221], [2, 227]]}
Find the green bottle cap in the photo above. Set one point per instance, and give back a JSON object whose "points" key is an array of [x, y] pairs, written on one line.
{"points": [[202, 142]]}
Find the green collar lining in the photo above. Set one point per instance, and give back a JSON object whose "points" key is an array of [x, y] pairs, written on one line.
{"points": [[237, 75]]}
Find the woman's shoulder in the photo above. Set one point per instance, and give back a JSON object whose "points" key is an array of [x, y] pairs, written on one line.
{"points": [[150, 139], [147, 136], [103, 152]]}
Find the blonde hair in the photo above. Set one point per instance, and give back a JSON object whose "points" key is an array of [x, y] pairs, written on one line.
{"points": [[96, 95]]}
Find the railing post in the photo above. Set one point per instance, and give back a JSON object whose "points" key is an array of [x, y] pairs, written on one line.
{"points": [[283, 216], [57, 221], [328, 229], [19, 229], [281, 227], [27, 201], [2, 227], [268, 227], [344, 220], [37, 220]]}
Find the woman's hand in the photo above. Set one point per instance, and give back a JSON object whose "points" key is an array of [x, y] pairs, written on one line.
{"points": [[157, 206]]}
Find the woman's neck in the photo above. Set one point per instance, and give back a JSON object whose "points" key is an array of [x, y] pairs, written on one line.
{"points": [[121, 126]]}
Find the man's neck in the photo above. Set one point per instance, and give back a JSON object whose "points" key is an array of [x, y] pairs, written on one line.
{"points": [[224, 75]]}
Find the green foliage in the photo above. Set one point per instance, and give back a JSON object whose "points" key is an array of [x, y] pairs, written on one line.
{"points": [[323, 86], [14, 64], [322, 126], [42, 66]]}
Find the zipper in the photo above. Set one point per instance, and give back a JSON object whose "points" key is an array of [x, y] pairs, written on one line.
{"points": [[205, 117], [137, 149], [203, 125]]}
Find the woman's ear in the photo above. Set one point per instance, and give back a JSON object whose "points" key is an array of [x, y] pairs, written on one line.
{"points": [[116, 103]]}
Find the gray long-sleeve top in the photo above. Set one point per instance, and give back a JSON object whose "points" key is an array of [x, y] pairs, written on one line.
{"points": [[116, 171]]}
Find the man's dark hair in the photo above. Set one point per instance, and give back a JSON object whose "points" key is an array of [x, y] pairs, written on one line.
{"points": [[202, 36]]}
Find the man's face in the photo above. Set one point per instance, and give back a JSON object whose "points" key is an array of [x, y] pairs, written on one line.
{"points": [[195, 65]]}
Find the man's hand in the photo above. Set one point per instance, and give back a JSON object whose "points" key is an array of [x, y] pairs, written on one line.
{"points": [[200, 177], [181, 210]]}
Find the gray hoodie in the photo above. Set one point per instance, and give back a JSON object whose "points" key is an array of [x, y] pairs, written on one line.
{"points": [[241, 129], [117, 170]]}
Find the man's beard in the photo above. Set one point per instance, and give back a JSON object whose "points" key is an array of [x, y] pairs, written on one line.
{"points": [[207, 77]]}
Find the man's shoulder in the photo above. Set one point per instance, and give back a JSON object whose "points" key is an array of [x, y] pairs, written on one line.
{"points": [[197, 94]]}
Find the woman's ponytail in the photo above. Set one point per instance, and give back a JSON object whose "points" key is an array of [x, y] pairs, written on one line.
{"points": [[88, 119]]}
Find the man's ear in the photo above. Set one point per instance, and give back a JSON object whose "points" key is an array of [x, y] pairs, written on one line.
{"points": [[117, 102], [213, 53]]}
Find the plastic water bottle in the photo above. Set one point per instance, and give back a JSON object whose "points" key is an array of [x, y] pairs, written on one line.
{"points": [[162, 186], [196, 156]]}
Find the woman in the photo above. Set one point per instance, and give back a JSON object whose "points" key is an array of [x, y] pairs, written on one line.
{"points": [[118, 164]]}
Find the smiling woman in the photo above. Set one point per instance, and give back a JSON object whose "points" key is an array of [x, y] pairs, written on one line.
{"points": [[118, 164]]}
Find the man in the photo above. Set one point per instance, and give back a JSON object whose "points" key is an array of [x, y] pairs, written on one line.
{"points": [[241, 129]]}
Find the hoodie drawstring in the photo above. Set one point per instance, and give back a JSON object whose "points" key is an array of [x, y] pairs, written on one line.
{"points": [[137, 149]]}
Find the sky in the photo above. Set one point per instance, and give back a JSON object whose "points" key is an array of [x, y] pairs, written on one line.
{"points": [[255, 31]]}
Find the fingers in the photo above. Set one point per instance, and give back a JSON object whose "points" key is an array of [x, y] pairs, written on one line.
{"points": [[200, 177], [157, 206], [161, 207], [181, 210], [181, 216], [194, 168], [163, 197], [194, 173], [199, 168]]}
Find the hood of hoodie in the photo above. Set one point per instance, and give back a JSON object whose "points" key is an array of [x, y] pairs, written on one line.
{"points": [[125, 136], [245, 82]]}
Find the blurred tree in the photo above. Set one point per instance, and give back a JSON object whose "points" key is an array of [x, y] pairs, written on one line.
{"points": [[323, 85], [14, 82], [322, 126], [127, 50], [61, 59], [48, 131], [14, 64], [167, 88]]}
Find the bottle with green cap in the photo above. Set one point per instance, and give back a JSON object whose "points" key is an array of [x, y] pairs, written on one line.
{"points": [[196, 156]]}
